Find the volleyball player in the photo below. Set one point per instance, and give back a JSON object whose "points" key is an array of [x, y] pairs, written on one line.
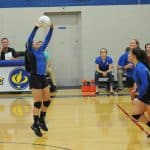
{"points": [[37, 81], [141, 77]]}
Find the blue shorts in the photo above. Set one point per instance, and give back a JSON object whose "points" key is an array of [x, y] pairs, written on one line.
{"points": [[129, 82]]}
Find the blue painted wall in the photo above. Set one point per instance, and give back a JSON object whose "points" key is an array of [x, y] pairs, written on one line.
{"points": [[46, 3], [145, 1]]}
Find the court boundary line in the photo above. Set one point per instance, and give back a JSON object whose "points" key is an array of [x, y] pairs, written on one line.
{"points": [[88, 96], [68, 96], [135, 122], [34, 144]]}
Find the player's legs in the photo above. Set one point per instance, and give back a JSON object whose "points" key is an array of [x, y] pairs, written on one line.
{"points": [[120, 72], [110, 81], [37, 96], [138, 111], [45, 105]]}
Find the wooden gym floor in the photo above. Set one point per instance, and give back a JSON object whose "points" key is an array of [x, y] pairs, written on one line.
{"points": [[75, 123]]}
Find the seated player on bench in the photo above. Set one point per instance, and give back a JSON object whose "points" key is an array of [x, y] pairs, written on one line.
{"points": [[104, 68]]}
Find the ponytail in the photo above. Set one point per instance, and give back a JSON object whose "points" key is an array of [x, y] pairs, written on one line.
{"points": [[141, 56]]}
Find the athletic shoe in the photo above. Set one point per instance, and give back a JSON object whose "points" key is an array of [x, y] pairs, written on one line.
{"points": [[36, 130], [43, 126]]}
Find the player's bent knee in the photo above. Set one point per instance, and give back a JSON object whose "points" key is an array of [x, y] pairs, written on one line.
{"points": [[47, 103], [137, 117], [37, 105]]}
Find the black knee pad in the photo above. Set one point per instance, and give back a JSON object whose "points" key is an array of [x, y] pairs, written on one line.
{"points": [[37, 105], [148, 123], [137, 117], [47, 103]]}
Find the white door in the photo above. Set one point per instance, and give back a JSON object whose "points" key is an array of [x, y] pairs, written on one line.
{"points": [[65, 49]]}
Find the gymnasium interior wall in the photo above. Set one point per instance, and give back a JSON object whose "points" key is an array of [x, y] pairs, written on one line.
{"points": [[110, 26]]}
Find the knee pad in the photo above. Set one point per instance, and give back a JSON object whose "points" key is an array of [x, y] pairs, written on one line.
{"points": [[47, 103], [37, 105], [137, 117]]}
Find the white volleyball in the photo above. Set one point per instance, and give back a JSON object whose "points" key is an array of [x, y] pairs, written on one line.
{"points": [[44, 21]]}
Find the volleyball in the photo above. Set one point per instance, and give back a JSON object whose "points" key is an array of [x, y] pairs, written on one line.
{"points": [[44, 21]]}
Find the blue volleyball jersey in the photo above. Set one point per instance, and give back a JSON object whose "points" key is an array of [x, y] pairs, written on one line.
{"points": [[37, 57], [141, 77], [123, 60], [103, 65]]}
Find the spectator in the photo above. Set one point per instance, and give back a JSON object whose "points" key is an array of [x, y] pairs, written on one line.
{"points": [[7, 53]]}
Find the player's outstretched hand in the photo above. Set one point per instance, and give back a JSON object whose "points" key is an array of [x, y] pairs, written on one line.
{"points": [[38, 25], [51, 25]]}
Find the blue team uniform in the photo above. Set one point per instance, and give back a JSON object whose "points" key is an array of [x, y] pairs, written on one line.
{"points": [[123, 60], [141, 77], [37, 61], [104, 65], [37, 58]]}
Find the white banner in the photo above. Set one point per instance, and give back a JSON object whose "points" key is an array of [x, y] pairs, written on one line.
{"points": [[13, 79]]}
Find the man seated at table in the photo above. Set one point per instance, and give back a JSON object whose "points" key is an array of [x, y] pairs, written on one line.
{"points": [[104, 69], [7, 53]]}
